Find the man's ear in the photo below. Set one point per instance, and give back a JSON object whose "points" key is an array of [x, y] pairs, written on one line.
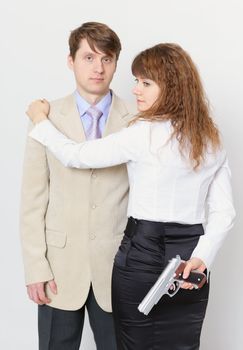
{"points": [[70, 62], [115, 67]]}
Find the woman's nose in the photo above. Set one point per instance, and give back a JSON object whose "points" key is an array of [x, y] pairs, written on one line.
{"points": [[136, 90]]}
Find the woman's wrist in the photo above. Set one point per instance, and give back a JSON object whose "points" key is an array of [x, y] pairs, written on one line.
{"points": [[39, 118]]}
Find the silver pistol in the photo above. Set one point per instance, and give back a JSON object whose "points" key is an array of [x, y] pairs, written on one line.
{"points": [[169, 283]]}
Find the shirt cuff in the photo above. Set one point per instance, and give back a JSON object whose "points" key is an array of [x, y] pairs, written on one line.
{"points": [[41, 130]]}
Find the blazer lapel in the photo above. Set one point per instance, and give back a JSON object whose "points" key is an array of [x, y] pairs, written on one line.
{"points": [[118, 116], [70, 122]]}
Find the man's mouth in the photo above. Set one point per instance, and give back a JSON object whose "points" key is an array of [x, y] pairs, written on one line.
{"points": [[97, 79]]}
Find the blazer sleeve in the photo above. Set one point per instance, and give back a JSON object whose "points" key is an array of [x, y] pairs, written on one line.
{"points": [[34, 202], [120, 147], [221, 214]]}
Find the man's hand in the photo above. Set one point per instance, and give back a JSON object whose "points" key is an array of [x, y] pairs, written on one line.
{"points": [[192, 264], [38, 111], [36, 292]]}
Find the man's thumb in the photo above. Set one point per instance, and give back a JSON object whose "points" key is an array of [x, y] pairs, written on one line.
{"points": [[53, 286]]}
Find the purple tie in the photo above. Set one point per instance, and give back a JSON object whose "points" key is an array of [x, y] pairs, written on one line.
{"points": [[94, 131]]}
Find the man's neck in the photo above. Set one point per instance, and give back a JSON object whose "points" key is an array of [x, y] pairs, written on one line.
{"points": [[92, 99]]}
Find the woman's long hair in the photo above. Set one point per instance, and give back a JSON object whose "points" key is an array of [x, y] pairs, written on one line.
{"points": [[182, 99]]}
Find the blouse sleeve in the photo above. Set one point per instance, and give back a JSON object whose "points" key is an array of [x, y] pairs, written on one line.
{"points": [[221, 216], [121, 147]]}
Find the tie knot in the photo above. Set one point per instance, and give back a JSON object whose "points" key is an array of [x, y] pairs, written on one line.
{"points": [[94, 112]]}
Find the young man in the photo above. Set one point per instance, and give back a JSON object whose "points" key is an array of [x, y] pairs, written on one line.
{"points": [[72, 221]]}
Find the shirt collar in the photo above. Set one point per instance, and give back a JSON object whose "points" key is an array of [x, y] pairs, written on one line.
{"points": [[83, 105]]}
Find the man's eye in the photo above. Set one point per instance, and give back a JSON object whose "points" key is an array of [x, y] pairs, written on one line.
{"points": [[107, 59], [89, 58]]}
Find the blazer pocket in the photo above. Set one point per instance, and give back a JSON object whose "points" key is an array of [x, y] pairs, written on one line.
{"points": [[56, 238]]}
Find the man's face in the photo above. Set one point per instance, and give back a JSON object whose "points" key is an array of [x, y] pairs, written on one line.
{"points": [[93, 71]]}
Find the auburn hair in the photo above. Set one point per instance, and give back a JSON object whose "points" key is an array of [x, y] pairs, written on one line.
{"points": [[182, 99], [98, 35]]}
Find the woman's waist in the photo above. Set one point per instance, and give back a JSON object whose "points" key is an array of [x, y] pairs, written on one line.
{"points": [[150, 244], [179, 214], [162, 228]]}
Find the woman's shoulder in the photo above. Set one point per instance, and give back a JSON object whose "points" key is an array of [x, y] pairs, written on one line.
{"points": [[139, 125], [215, 157], [150, 124]]}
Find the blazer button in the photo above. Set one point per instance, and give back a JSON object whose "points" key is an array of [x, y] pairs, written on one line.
{"points": [[94, 206], [92, 236]]}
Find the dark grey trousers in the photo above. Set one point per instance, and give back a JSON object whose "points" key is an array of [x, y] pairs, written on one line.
{"points": [[62, 330]]}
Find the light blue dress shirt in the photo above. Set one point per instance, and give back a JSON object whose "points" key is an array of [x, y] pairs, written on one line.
{"points": [[103, 105]]}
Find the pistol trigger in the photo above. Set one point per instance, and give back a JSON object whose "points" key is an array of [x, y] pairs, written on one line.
{"points": [[173, 289]]}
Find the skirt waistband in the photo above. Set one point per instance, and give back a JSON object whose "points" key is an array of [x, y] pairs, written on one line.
{"points": [[169, 229]]}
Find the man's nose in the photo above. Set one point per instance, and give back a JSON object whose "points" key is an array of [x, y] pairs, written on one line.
{"points": [[99, 67]]}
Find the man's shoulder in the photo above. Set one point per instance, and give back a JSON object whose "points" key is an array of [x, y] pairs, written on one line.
{"points": [[123, 105], [60, 102], [131, 107]]}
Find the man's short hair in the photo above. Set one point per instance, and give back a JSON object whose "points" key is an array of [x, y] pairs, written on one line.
{"points": [[98, 35]]}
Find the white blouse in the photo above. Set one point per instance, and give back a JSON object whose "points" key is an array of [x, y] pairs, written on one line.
{"points": [[163, 185]]}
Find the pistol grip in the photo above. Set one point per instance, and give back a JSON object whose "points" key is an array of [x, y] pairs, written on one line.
{"points": [[196, 278]]}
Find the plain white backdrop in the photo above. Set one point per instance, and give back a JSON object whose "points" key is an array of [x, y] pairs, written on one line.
{"points": [[34, 48]]}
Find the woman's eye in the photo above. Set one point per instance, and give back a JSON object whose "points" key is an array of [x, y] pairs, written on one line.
{"points": [[145, 83]]}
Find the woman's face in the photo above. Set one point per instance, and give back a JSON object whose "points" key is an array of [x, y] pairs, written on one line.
{"points": [[147, 92]]}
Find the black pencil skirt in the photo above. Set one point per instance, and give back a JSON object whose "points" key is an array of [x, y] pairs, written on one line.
{"points": [[174, 323]]}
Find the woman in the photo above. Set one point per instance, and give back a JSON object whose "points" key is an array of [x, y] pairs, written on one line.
{"points": [[177, 170]]}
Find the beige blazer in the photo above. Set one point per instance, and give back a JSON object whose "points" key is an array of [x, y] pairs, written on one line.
{"points": [[72, 220]]}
